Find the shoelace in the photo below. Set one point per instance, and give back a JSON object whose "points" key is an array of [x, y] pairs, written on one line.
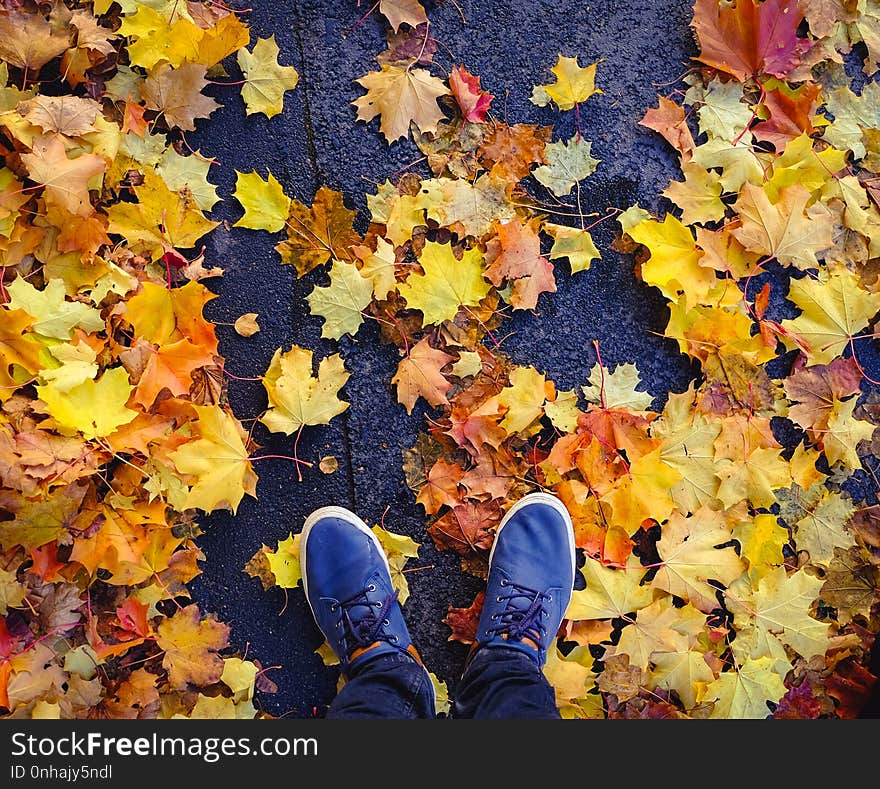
{"points": [[522, 618], [365, 629]]}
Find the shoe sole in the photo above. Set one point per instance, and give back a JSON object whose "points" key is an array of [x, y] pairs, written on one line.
{"points": [[349, 517], [556, 504]]}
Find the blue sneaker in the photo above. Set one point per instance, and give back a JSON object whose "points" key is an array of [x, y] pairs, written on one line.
{"points": [[531, 577], [348, 586]]}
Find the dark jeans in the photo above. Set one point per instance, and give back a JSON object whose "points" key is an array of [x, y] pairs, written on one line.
{"points": [[497, 683]]}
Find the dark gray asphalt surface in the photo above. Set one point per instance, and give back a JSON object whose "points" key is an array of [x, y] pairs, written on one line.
{"points": [[645, 46]]}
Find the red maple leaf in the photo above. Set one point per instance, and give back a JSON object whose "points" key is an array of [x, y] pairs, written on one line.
{"points": [[750, 37]]}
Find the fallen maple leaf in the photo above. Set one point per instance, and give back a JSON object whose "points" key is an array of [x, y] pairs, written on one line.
{"points": [[472, 100], [66, 180], [343, 301], [418, 375], [833, 311], [447, 284], [296, 398], [750, 37], [265, 81], [176, 94], [266, 207], [217, 460], [668, 119], [317, 234], [191, 644], [467, 528], [28, 41], [401, 97], [463, 621], [573, 84], [400, 12], [568, 163]]}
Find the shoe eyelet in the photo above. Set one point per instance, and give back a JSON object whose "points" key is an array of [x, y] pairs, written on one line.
{"points": [[504, 582], [494, 617], [377, 604], [371, 588], [333, 608], [386, 622], [499, 599], [394, 639], [549, 598]]}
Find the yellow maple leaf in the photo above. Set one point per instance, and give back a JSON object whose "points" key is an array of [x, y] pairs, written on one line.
{"points": [[787, 229], [191, 644], [266, 207], [845, 433], [761, 539], [834, 309], [447, 284], [378, 266], [752, 478], [265, 80], [457, 202], [674, 265], [399, 549], [573, 84], [781, 605], [571, 676], [690, 557], [524, 399], [218, 460], [658, 627], [572, 243], [284, 562], [157, 37], [683, 671], [609, 593], [296, 398], [184, 174], [160, 219], [54, 316], [698, 196], [401, 96], [644, 492], [94, 408], [744, 693]]}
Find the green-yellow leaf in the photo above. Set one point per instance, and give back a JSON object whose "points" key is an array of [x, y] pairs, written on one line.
{"points": [[53, 315], [568, 162], [834, 309], [94, 408], [572, 243], [743, 694], [341, 303]]}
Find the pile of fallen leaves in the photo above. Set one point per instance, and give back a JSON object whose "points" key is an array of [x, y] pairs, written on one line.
{"points": [[730, 569], [114, 427], [729, 565]]}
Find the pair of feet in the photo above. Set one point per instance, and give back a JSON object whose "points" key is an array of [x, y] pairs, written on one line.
{"points": [[348, 585]]}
